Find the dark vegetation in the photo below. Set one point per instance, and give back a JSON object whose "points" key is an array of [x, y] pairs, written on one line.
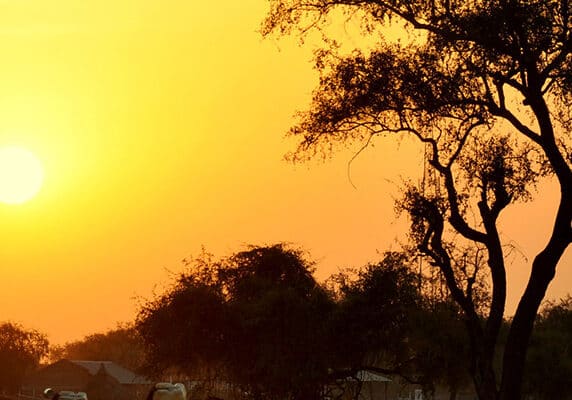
{"points": [[21, 351], [121, 345], [259, 320], [485, 87]]}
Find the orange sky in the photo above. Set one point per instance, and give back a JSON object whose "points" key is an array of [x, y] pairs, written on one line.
{"points": [[160, 125]]}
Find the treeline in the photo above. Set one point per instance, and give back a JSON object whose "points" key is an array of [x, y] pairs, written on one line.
{"points": [[260, 320]]}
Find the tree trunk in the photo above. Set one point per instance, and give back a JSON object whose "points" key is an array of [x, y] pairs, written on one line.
{"points": [[543, 271], [543, 266], [485, 384], [453, 392]]}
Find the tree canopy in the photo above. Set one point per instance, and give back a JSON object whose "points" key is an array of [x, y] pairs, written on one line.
{"points": [[374, 314], [549, 362], [250, 318], [121, 345], [485, 86], [260, 320], [21, 351]]}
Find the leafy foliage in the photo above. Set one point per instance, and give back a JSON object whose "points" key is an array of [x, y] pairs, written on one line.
{"points": [[549, 362], [252, 318], [21, 351], [374, 313], [184, 327], [259, 320], [121, 345], [441, 346], [490, 105]]}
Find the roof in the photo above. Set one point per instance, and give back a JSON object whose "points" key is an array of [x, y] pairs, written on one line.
{"points": [[367, 376], [123, 375]]}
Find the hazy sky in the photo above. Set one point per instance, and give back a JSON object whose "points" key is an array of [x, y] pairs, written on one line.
{"points": [[161, 127]]}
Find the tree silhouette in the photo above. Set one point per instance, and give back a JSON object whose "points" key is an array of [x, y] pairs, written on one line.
{"points": [[549, 361], [257, 319], [486, 87], [120, 345], [374, 315], [440, 345], [21, 350]]}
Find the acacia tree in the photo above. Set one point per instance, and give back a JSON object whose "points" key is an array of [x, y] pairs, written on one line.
{"points": [[486, 86]]}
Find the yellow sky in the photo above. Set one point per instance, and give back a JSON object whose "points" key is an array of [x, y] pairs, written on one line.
{"points": [[160, 125]]}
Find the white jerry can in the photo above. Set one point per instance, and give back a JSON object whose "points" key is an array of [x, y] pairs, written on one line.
{"points": [[69, 395], [50, 393], [168, 391]]}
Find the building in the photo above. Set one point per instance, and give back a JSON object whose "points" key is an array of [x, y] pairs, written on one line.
{"points": [[101, 380]]}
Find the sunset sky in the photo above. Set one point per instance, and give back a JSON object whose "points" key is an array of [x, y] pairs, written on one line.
{"points": [[161, 128]]}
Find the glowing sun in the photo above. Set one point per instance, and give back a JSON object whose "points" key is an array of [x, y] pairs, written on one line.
{"points": [[21, 175]]}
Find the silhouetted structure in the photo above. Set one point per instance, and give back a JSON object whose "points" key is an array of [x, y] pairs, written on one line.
{"points": [[101, 380]]}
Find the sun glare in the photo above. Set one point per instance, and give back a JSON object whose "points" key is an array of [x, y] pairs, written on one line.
{"points": [[21, 175]]}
